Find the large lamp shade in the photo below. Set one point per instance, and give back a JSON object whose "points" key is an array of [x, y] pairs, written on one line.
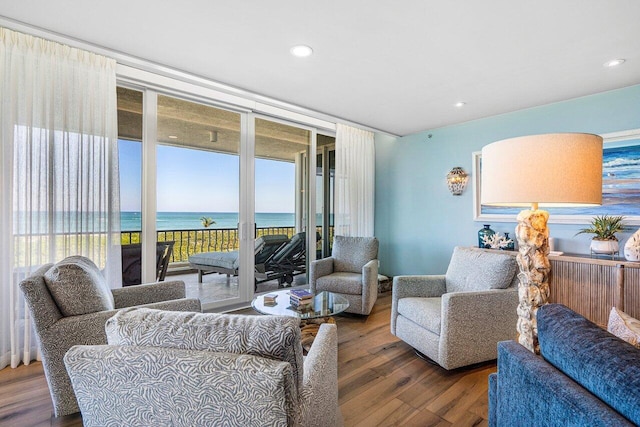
{"points": [[560, 169]]}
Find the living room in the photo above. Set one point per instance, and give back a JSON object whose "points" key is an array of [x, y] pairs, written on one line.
{"points": [[418, 222]]}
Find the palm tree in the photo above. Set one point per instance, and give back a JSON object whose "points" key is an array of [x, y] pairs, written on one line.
{"points": [[207, 222]]}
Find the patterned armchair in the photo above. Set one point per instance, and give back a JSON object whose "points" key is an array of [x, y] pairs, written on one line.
{"points": [[205, 369], [458, 318], [351, 271], [70, 303]]}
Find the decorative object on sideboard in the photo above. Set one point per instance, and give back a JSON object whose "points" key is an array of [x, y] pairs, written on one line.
{"points": [[511, 245], [483, 233], [604, 229], [563, 169], [497, 241], [457, 180], [632, 247]]}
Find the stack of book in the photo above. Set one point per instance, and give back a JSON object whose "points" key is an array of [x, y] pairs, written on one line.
{"points": [[300, 299], [270, 299]]}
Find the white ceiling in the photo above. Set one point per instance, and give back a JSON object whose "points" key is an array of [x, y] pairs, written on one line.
{"points": [[397, 66]]}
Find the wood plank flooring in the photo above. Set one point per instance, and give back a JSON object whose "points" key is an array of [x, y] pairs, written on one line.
{"points": [[381, 383]]}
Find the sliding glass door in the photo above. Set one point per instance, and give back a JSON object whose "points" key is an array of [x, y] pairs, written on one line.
{"points": [[198, 193], [283, 201], [325, 178], [231, 193]]}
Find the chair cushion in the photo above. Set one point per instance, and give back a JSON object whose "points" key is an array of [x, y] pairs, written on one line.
{"points": [[342, 283], [477, 270], [228, 260], [350, 254], [425, 312], [78, 287], [272, 337]]}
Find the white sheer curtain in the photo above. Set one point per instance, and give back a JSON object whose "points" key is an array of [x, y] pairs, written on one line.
{"points": [[355, 182], [59, 177]]}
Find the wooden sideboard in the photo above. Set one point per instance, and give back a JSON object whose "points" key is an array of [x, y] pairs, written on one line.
{"points": [[591, 286]]}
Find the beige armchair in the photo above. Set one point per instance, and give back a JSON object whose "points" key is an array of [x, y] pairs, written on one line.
{"points": [[351, 271], [70, 303], [457, 319]]}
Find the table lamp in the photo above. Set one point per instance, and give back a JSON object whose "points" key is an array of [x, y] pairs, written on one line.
{"points": [[552, 170]]}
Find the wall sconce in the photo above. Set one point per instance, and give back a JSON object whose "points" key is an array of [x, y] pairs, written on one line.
{"points": [[457, 180]]}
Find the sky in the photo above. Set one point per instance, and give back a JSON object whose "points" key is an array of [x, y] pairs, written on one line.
{"points": [[201, 181]]}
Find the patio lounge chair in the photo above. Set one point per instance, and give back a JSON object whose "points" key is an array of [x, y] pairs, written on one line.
{"points": [[229, 263], [132, 262], [287, 261]]}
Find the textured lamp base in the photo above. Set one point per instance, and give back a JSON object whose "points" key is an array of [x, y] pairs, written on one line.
{"points": [[533, 291]]}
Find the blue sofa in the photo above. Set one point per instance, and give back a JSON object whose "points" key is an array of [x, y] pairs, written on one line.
{"points": [[584, 376]]}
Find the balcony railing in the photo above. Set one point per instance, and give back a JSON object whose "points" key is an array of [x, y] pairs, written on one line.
{"points": [[189, 242]]}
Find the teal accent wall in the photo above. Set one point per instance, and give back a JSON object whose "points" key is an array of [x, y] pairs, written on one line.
{"points": [[419, 222]]}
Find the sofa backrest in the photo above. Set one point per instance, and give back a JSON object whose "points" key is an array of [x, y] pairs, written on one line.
{"points": [[271, 337], [600, 362], [472, 269], [130, 385]]}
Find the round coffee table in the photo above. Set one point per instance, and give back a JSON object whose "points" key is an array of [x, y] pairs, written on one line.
{"points": [[324, 304]]}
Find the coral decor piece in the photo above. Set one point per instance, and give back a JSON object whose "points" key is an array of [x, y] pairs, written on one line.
{"points": [[496, 241], [632, 247], [532, 234]]}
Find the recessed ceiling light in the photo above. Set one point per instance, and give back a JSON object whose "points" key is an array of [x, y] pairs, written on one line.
{"points": [[173, 137], [301, 51], [460, 104], [614, 62]]}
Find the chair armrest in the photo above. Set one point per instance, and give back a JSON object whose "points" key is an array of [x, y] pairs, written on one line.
{"points": [[319, 396], [319, 268], [65, 331], [370, 272], [477, 320], [369, 280], [424, 286], [419, 286], [148, 293]]}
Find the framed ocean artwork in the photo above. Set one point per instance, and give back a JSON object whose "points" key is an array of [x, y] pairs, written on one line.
{"points": [[620, 186]]}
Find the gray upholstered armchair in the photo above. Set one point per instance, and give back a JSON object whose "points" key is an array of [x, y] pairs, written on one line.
{"points": [[457, 319], [351, 271], [70, 303], [206, 369]]}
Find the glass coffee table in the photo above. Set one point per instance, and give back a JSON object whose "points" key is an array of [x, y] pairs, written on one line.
{"points": [[325, 304]]}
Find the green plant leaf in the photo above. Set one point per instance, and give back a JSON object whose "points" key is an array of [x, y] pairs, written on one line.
{"points": [[604, 227]]}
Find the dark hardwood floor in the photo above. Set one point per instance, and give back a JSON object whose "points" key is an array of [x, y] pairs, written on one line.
{"points": [[381, 383]]}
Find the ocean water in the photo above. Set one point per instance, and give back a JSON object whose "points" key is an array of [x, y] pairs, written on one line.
{"points": [[131, 221]]}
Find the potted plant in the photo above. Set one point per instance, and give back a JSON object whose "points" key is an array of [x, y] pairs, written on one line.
{"points": [[604, 229]]}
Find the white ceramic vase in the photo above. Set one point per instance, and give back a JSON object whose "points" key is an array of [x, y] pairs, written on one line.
{"points": [[632, 247], [604, 246]]}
